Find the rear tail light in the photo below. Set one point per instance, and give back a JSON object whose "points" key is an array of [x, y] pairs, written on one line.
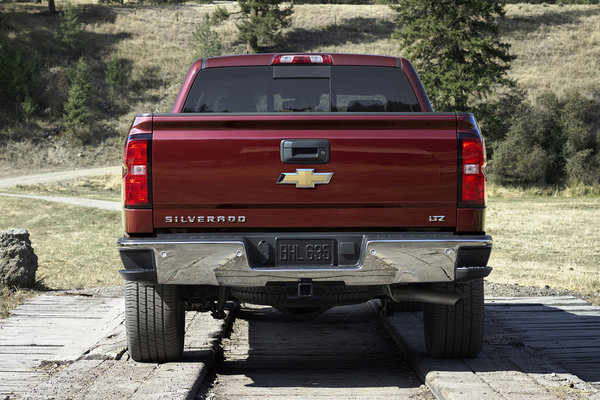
{"points": [[135, 173], [473, 166], [301, 59]]}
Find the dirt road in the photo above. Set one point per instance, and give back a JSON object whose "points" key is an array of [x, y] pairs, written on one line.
{"points": [[62, 176], [57, 176]]}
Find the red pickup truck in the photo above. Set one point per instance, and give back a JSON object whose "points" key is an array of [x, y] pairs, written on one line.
{"points": [[303, 181]]}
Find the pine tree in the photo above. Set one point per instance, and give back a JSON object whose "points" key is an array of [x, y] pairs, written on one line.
{"points": [[70, 29], [262, 21], [455, 46], [206, 42], [77, 105], [114, 75]]}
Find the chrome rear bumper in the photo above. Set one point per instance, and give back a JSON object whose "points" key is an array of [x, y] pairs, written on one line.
{"points": [[385, 259]]}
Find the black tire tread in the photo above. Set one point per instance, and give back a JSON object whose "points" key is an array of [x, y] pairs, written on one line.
{"points": [[154, 319], [455, 331]]}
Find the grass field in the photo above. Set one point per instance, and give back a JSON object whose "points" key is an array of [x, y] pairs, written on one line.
{"points": [[541, 241]]}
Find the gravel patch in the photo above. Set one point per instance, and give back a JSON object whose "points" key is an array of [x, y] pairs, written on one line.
{"points": [[506, 290]]}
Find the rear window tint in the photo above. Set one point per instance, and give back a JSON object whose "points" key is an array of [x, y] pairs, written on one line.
{"points": [[333, 89]]}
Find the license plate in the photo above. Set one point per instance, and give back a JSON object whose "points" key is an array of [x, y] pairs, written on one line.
{"points": [[305, 252]]}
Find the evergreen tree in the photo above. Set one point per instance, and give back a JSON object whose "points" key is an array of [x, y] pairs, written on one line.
{"points": [[259, 21], [19, 70], [114, 75], [70, 29], [262, 20], [76, 116], [455, 46], [206, 42]]}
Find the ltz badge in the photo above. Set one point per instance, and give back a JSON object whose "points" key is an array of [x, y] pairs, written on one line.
{"points": [[305, 178]]}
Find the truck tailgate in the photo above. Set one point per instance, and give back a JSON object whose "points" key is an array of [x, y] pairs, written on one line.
{"points": [[221, 171]]}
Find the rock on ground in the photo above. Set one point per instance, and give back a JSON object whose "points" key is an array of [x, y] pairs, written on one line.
{"points": [[18, 262]]}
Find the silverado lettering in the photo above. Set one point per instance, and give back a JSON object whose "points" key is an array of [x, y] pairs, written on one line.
{"points": [[204, 219], [231, 196]]}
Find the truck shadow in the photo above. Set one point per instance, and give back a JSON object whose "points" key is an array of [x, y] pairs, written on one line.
{"points": [[347, 348], [344, 348], [523, 24]]}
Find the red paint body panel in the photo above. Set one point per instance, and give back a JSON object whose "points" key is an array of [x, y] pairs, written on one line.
{"points": [[299, 216], [391, 171], [417, 86], [142, 124], [266, 58], [470, 220], [137, 221]]}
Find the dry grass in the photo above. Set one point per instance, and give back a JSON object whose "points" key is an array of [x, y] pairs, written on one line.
{"points": [[558, 47], [76, 246], [27, 158], [571, 191], [546, 241], [11, 297]]}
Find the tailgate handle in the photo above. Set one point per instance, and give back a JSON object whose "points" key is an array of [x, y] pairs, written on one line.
{"points": [[304, 151]]}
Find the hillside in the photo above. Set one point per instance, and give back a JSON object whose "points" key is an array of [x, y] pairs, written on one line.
{"points": [[558, 49]]}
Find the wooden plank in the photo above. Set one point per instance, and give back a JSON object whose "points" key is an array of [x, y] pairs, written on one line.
{"points": [[51, 328], [532, 310], [564, 332], [535, 299]]}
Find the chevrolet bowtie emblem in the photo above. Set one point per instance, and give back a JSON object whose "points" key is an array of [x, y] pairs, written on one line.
{"points": [[304, 178]]}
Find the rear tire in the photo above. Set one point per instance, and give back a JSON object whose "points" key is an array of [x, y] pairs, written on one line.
{"points": [[455, 331], [155, 318]]}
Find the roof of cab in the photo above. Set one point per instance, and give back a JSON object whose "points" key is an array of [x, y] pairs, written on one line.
{"points": [[265, 59]]}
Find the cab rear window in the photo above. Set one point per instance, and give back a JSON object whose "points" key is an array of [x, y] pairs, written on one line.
{"points": [[267, 89]]}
